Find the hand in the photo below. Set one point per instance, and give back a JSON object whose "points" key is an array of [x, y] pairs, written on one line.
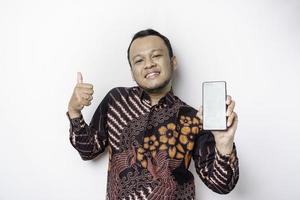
{"points": [[224, 139], [82, 96]]}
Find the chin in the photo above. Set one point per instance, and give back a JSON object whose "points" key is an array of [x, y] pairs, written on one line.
{"points": [[155, 86]]}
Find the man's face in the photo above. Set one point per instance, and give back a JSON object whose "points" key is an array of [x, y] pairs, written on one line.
{"points": [[152, 68]]}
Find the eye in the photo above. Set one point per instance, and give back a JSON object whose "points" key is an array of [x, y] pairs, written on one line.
{"points": [[138, 61], [158, 55]]}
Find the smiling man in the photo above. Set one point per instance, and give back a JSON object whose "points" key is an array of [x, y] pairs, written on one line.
{"points": [[151, 134]]}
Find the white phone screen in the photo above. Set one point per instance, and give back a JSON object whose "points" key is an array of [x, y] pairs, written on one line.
{"points": [[214, 105]]}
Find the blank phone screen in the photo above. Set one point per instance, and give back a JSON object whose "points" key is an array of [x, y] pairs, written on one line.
{"points": [[214, 105]]}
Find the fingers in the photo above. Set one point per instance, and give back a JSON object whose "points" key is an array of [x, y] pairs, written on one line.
{"points": [[232, 118], [230, 108], [228, 99], [86, 103], [81, 87], [81, 91], [80, 82], [79, 77], [235, 122], [85, 99], [84, 91], [230, 105], [85, 85]]}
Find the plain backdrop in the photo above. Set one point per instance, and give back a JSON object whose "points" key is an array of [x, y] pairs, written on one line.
{"points": [[254, 45]]}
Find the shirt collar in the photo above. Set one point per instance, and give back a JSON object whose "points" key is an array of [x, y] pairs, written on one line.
{"points": [[168, 99]]}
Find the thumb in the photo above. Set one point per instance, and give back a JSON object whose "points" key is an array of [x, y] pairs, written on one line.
{"points": [[79, 77]]}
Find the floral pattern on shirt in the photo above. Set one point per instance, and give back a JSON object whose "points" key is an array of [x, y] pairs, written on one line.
{"points": [[150, 147]]}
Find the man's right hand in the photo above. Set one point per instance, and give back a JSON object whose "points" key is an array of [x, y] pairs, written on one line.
{"points": [[82, 96]]}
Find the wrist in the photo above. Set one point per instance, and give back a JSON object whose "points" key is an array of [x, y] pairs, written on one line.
{"points": [[225, 149], [74, 113]]}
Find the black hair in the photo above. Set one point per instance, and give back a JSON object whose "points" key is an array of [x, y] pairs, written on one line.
{"points": [[148, 32]]}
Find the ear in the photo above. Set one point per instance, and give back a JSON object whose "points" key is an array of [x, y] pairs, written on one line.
{"points": [[174, 63]]}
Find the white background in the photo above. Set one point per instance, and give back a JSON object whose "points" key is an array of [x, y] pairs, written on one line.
{"points": [[253, 45]]}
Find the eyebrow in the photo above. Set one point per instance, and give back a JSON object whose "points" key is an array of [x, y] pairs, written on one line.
{"points": [[151, 52]]}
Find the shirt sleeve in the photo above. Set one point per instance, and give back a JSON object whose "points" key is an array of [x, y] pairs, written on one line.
{"points": [[90, 140], [219, 172]]}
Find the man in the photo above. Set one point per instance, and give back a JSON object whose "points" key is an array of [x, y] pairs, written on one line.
{"points": [[151, 135]]}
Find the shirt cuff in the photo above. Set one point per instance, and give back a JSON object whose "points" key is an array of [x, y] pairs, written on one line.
{"points": [[227, 158], [77, 122]]}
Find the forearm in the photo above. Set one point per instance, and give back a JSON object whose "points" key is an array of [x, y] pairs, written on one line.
{"points": [[227, 168], [225, 149], [85, 139], [219, 172]]}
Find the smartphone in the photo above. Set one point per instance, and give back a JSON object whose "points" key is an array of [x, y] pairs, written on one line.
{"points": [[214, 105]]}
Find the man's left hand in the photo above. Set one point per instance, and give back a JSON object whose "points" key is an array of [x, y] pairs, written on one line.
{"points": [[224, 139]]}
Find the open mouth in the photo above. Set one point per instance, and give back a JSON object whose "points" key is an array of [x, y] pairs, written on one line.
{"points": [[152, 75]]}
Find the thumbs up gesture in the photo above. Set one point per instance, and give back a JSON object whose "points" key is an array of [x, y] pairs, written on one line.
{"points": [[82, 96]]}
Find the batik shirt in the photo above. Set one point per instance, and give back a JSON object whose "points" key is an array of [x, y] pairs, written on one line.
{"points": [[150, 147]]}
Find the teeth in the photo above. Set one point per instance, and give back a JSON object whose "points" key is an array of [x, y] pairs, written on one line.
{"points": [[151, 75]]}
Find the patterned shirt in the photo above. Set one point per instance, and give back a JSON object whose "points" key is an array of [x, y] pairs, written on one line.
{"points": [[150, 147]]}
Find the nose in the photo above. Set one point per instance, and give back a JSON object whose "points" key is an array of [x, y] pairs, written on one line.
{"points": [[149, 63]]}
